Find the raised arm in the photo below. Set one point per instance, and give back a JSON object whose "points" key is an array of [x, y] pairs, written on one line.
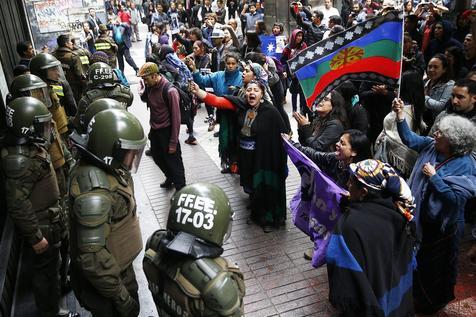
{"points": [[409, 138], [211, 99]]}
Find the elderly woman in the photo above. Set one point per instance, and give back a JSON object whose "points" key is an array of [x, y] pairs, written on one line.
{"points": [[370, 253], [262, 158], [324, 131], [442, 180]]}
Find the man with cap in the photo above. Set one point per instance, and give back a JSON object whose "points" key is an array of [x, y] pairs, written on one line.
{"points": [[218, 49], [186, 274], [164, 125]]}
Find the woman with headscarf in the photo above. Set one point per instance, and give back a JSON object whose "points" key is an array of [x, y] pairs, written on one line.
{"points": [[254, 71], [370, 254], [443, 179], [262, 158]]}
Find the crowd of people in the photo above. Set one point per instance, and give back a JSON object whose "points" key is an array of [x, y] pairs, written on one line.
{"points": [[406, 154]]}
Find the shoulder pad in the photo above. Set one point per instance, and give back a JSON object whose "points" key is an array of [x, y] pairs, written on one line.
{"points": [[87, 178], [92, 209], [91, 212], [15, 165], [219, 290], [94, 94]]}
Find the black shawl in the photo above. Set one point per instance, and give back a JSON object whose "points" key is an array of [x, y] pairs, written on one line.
{"points": [[370, 261], [270, 166]]}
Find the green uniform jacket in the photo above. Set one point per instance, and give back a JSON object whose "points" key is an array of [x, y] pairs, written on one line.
{"points": [[31, 191], [105, 234]]}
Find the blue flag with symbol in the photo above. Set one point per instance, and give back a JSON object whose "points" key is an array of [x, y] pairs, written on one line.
{"points": [[272, 45]]}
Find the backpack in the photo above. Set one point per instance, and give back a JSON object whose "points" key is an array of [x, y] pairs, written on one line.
{"points": [[185, 101], [118, 34]]}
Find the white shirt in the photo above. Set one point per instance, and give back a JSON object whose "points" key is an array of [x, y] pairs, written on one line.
{"points": [[328, 13]]}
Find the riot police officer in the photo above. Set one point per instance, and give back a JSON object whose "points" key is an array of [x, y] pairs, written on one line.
{"points": [[48, 68], [61, 158], [72, 63], [32, 85], [186, 274], [104, 43], [33, 195], [103, 84], [105, 233]]}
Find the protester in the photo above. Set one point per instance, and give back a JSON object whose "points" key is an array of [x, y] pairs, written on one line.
{"points": [[438, 87], [296, 44], [223, 83], [371, 248], [262, 159], [443, 178], [389, 148], [325, 130], [165, 126]]}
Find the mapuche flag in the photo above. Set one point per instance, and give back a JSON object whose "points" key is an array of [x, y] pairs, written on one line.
{"points": [[371, 50]]}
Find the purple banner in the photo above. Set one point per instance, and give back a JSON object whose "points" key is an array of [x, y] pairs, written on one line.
{"points": [[315, 206]]}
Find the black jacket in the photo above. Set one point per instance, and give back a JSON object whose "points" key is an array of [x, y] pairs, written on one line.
{"points": [[325, 139], [312, 33]]}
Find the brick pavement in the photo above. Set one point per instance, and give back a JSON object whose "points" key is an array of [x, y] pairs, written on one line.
{"points": [[279, 282]]}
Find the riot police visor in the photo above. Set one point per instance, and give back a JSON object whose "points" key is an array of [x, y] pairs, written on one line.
{"points": [[130, 153], [131, 159], [55, 73], [42, 95], [42, 128]]}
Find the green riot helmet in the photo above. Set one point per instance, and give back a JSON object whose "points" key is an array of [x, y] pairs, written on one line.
{"points": [[201, 216], [101, 75], [32, 86], [47, 67], [116, 139], [96, 107], [28, 119]]}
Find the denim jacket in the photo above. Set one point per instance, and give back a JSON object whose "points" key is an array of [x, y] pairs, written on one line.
{"points": [[438, 96]]}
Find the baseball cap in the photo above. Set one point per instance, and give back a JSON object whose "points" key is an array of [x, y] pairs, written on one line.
{"points": [[147, 69], [217, 34]]}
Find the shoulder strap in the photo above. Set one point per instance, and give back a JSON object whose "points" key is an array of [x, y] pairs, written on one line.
{"points": [[165, 90]]}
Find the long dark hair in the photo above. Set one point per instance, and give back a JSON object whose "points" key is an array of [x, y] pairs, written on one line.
{"points": [[412, 91], [360, 144], [338, 109]]}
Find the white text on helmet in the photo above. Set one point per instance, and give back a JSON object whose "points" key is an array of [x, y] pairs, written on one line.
{"points": [[9, 113], [197, 202]]}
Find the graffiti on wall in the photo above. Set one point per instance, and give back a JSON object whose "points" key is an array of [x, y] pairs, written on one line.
{"points": [[52, 15]]}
